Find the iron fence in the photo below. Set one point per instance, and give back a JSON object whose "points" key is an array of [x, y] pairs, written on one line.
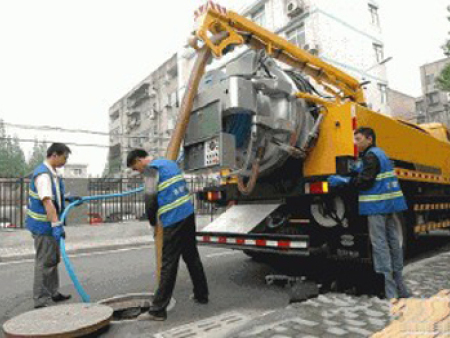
{"points": [[14, 199]]}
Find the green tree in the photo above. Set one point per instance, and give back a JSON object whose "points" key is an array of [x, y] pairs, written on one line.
{"points": [[18, 163], [38, 155], [443, 80], [446, 46], [12, 158]]}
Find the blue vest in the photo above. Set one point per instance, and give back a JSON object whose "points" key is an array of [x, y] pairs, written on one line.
{"points": [[36, 220], [174, 200], [385, 196]]}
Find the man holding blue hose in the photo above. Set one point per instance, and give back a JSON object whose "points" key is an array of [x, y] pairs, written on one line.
{"points": [[45, 206], [167, 200]]}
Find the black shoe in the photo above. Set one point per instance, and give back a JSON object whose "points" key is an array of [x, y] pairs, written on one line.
{"points": [[40, 306], [60, 297], [200, 300], [157, 315]]}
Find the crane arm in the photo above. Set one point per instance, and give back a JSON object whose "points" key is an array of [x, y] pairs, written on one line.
{"points": [[213, 19]]}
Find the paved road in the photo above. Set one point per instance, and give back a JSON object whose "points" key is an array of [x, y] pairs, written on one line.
{"points": [[236, 283], [237, 286]]}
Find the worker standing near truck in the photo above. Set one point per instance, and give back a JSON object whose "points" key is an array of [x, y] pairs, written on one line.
{"points": [[380, 198], [46, 204], [168, 201]]}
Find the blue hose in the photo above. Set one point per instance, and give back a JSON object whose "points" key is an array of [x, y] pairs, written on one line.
{"points": [[62, 246]]}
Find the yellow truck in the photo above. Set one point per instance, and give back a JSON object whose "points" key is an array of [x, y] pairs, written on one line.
{"points": [[277, 122]]}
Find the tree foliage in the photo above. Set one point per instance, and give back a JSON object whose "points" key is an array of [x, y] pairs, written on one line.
{"points": [[446, 46], [38, 155], [12, 158], [443, 80]]}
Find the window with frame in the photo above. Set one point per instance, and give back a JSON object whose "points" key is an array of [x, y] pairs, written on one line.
{"points": [[433, 98], [379, 54], [114, 134], [136, 142], [297, 36], [76, 172], [114, 116], [420, 107], [429, 79], [374, 15], [259, 17], [382, 88]]}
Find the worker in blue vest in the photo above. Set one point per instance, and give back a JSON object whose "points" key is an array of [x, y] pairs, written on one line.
{"points": [[168, 201], [45, 206], [380, 198]]}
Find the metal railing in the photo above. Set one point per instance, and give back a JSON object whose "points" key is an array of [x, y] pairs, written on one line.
{"points": [[14, 199], [13, 202]]}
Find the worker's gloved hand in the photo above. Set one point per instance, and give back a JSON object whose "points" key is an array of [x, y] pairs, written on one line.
{"points": [[338, 181], [58, 231]]}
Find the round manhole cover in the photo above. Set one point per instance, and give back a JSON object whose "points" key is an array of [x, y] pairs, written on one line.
{"points": [[130, 306], [71, 320]]}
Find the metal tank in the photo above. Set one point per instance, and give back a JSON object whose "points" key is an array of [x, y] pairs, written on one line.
{"points": [[248, 113]]}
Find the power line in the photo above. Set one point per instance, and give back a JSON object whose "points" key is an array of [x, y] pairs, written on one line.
{"points": [[68, 130], [47, 141]]}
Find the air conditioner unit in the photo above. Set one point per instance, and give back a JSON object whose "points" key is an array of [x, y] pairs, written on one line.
{"points": [[314, 50], [295, 7]]}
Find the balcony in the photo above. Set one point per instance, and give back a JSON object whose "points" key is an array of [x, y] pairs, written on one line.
{"points": [[138, 96]]}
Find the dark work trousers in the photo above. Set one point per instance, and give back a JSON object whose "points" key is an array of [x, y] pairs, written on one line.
{"points": [[179, 240], [46, 280]]}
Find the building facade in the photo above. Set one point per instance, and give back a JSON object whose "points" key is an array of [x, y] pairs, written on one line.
{"points": [[433, 106], [401, 105], [144, 117], [74, 170], [346, 34]]}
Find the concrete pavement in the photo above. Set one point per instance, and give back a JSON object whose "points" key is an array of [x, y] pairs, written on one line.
{"points": [[329, 315], [17, 244]]}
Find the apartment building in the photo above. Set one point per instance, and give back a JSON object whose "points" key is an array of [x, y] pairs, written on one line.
{"points": [[145, 116], [433, 106]]}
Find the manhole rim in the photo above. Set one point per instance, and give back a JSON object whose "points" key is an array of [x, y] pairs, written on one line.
{"points": [[129, 297]]}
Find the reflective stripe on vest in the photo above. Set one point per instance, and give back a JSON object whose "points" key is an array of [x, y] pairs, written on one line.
{"points": [[33, 194], [380, 197], [388, 174], [174, 204], [37, 216], [170, 181]]}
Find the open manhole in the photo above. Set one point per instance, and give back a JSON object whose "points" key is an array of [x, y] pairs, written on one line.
{"points": [[130, 306]]}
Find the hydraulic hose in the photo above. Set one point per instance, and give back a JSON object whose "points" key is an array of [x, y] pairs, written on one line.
{"points": [[62, 246]]}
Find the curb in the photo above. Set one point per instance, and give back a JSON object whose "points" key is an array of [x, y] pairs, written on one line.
{"points": [[99, 248]]}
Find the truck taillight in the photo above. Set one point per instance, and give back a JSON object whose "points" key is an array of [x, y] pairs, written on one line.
{"points": [[316, 188], [214, 195]]}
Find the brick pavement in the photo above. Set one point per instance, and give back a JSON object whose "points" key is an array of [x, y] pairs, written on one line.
{"points": [[339, 315]]}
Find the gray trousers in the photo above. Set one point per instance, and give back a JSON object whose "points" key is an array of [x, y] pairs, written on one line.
{"points": [[46, 279], [387, 254]]}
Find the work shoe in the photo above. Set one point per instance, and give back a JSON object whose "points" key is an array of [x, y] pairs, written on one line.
{"points": [[200, 300], [59, 297], [157, 315]]}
